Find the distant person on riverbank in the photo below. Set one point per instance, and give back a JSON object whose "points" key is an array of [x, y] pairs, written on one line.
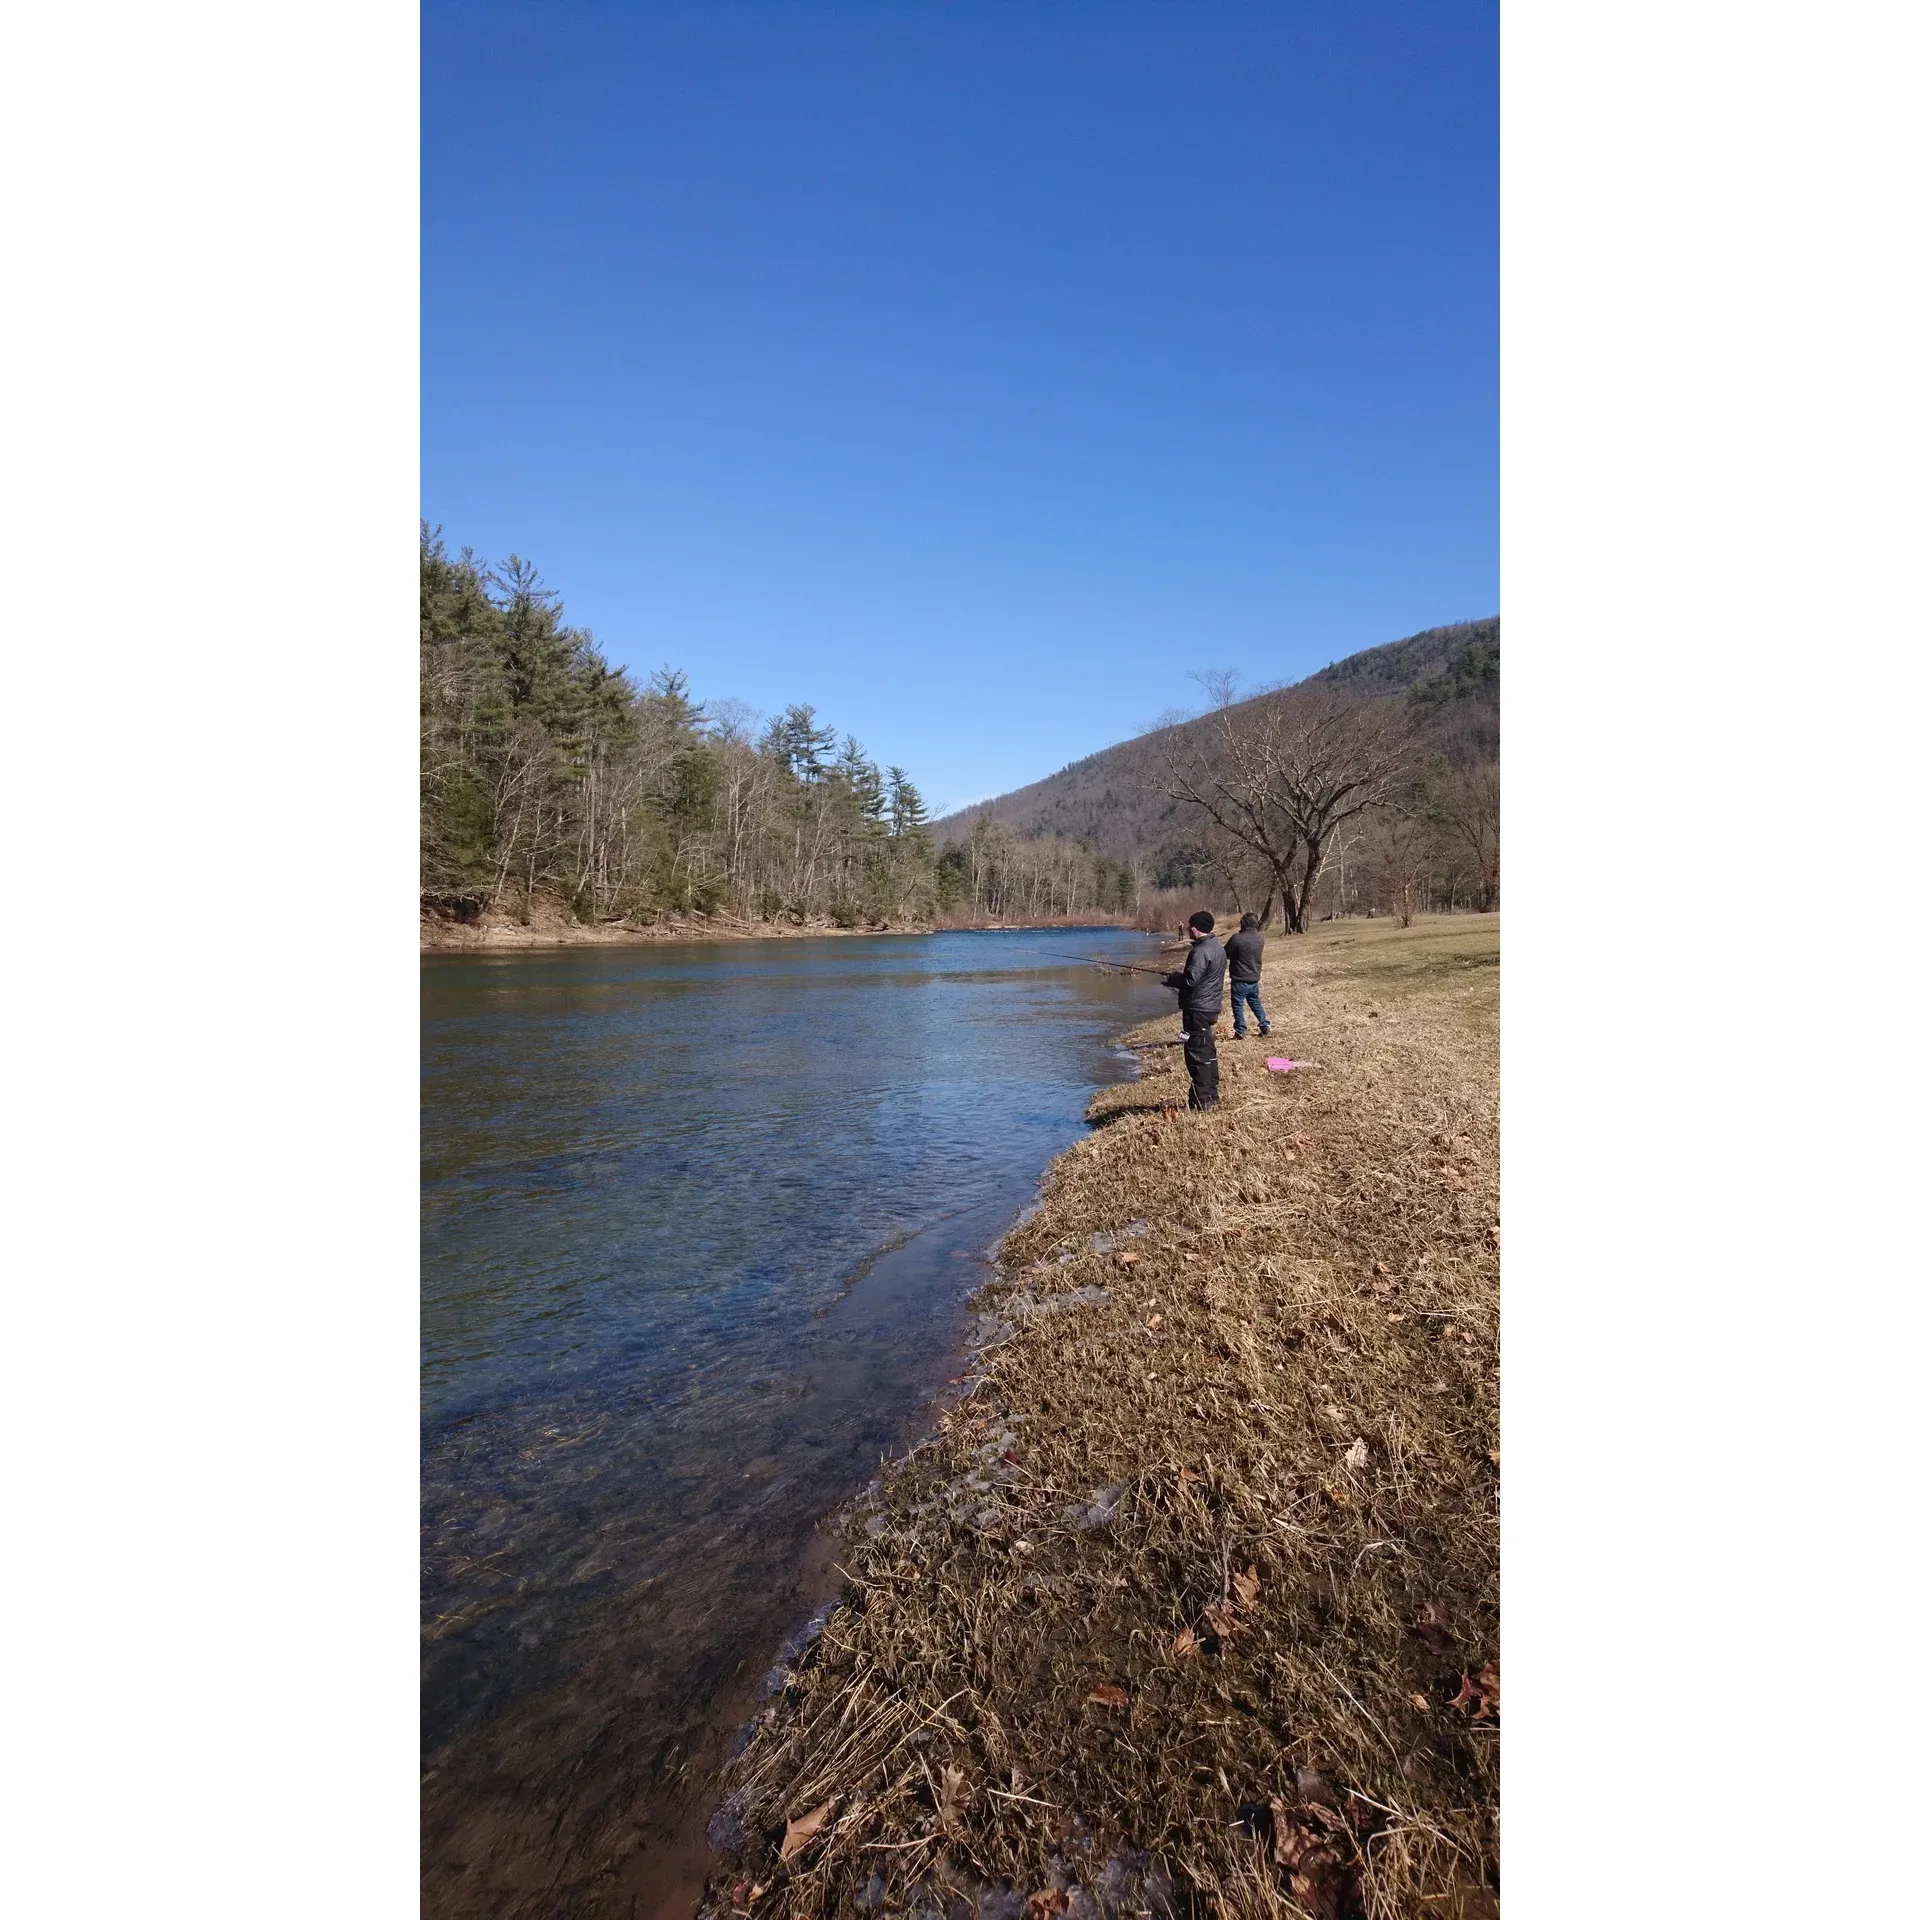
{"points": [[1244, 954], [1198, 985]]}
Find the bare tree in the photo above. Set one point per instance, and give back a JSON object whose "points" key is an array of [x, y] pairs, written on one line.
{"points": [[1280, 774], [1465, 807]]}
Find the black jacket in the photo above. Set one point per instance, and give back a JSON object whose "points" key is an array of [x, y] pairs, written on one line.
{"points": [[1199, 981], [1243, 954]]}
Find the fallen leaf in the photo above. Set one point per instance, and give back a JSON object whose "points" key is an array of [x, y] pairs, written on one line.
{"points": [[800, 1831], [1393, 1319], [1222, 1619], [1494, 1456], [1421, 1701], [1357, 1455], [1107, 1697], [1048, 1900], [1246, 1586], [1023, 1546], [1434, 1627], [953, 1797], [1466, 1698], [1154, 1323], [1379, 1266], [1489, 1681], [1185, 1642], [1338, 1495], [1188, 1478], [758, 1889], [1126, 1259]]}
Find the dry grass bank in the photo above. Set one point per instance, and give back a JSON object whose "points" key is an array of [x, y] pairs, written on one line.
{"points": [[1191, 1605]]}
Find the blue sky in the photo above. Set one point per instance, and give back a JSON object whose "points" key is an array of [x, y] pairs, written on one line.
{"points": [[972, 371]]}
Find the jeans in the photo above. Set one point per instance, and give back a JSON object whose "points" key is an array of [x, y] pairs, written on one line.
{"points": [[1203, 1060], [1246, 993]]}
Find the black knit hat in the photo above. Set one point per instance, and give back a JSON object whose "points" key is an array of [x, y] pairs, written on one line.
{"points": [[1203, 920]]}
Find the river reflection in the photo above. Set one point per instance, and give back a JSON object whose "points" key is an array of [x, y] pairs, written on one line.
{"points": [[697, 1223]]}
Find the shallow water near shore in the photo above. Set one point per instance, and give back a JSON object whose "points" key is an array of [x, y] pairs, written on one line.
{"points": [[698, 1224]]}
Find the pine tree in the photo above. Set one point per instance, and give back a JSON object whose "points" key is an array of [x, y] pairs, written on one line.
{"points": [[906, 811]]}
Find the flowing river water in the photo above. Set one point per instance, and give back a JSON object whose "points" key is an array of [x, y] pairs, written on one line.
{"points": [[698, 1224]]}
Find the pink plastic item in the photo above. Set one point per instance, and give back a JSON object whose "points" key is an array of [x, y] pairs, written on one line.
{"points": [[1277, 1065]]}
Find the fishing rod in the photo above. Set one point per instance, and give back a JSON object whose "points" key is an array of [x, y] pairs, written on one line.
{"points": [[1090, 960]]}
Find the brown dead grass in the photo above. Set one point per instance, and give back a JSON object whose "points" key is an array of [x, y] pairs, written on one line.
{"points": [[1191, 1605]]}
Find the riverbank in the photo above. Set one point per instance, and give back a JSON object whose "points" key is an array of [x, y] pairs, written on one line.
{"points": [[553, 929], [1191, 1603]]}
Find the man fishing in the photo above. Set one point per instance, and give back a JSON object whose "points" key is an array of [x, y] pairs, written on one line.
{"points": [[1245, 951], [1198, 985]]}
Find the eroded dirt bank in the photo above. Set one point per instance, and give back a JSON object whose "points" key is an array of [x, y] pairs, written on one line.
{"points": [[1191, 1603]]}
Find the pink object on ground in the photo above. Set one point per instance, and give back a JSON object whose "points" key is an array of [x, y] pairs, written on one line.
{"points": [[1277, 1065]]}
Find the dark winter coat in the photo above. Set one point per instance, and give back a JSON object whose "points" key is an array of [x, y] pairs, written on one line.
{"points": [[1199, 981], [1243, 954]]}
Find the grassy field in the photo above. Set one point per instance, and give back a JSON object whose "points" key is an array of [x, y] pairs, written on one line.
{"points": [[1191, 1603]]}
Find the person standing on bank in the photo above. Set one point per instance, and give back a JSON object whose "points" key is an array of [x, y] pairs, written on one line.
{"points": [[1198, 985], [1244, 953]]}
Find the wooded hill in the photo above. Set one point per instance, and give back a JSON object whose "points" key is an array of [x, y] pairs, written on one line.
{"points": [[1440, 834], [551, 781]]}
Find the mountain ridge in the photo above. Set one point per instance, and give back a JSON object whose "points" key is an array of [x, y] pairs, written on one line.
{"points": [[1112, 802]]}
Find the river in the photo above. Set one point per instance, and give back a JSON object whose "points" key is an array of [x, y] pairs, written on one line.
{"points": [[698, 1223]]}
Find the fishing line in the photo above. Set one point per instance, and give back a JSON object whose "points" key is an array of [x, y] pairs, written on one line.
{"points": [[1090, 960]]}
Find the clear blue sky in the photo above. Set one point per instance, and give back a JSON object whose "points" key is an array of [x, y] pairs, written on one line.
{"points": [[971, 370]]}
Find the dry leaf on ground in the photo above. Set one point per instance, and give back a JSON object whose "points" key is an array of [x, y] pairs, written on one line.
{"points": [[800, 1831], [1107, 1697], [1246, 1586], [1434, 1628], [954, 1797]]}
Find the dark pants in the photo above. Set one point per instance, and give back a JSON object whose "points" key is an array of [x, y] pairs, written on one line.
{"points": [[1246, 993], [1203, 1059]]}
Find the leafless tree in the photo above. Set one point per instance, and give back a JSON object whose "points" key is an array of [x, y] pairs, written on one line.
{"points": [[1464, 803], [1280, 774]]}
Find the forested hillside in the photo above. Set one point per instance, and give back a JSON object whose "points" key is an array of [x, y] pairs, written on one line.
{"points": [[1439, 833], [549, 780]]}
